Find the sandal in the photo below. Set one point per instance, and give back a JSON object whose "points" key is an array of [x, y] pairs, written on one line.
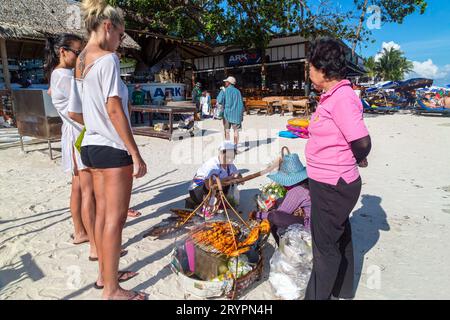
{"points": [[122, 254], [136, 296], [121, 278], [133, 213]]}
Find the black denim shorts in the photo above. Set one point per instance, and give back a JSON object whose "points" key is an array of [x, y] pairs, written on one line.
{"points": [[103, 157]]}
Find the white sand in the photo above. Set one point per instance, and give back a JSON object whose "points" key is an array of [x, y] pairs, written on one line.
{"points": [[401, 225]]}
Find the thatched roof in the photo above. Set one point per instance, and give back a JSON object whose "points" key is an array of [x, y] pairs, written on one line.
{"points": [[37, 19]]}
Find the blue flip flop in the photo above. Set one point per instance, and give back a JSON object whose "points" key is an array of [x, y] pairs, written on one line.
{"points": [[287, 134]]}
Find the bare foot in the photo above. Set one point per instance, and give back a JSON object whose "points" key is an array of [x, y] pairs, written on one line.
{"points": [[79, 238], [122, 294], [134, 213]]}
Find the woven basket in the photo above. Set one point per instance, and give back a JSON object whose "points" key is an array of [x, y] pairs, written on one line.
{"points": [[228, 288], [242, 283]]}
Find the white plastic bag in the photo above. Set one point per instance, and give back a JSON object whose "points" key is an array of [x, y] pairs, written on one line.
{"points": [[290, 266], [233, 195]]}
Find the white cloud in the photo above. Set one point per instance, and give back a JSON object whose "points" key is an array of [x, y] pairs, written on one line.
{"points": [[427, 69], [387, 45], [424, 69]]}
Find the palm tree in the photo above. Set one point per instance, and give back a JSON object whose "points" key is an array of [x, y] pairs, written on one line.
{"points": [[371, 68], [392, 65]]}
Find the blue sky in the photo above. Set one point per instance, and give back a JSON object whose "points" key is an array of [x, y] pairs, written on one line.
{"points": [[422, 37]]}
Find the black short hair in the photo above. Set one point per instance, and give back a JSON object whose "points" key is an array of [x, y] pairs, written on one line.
{"points": [[328, 55]]}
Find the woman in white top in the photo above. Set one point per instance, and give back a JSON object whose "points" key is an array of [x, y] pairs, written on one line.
{"points": [[205, 103], [108, 147], [61, 56]]}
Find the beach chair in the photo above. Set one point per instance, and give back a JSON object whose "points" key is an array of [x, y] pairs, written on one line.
{"points": [[379, 109], [422, 108], [259, 105]]}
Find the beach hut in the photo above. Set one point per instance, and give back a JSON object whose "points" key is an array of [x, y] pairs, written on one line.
{"points": [[24, 27]]}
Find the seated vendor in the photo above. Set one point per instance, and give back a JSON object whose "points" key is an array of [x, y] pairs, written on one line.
{"points": [[221, 166], [295, 207]]}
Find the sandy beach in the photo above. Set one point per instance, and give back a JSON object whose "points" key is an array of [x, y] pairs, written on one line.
{"points": [[401, 225]]}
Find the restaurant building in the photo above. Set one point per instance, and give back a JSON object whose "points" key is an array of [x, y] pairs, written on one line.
{"points": [[284, 61]]}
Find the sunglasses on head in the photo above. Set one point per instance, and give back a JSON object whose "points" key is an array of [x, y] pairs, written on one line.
{"points": [[75, 52]]}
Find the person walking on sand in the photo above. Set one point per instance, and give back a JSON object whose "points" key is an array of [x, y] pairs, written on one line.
{"points": [[61, 54], [108, 147], [233, 109], [205, 104], [339, 141]]}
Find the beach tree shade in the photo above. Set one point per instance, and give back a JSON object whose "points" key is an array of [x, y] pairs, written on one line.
{"points": [[390, 11], [391, 65]]}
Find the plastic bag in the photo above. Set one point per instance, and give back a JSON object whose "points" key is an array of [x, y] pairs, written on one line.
{"points": [[295, 243], [218, 112], [290, 266], [233, 195], [285, 287], [243, 266]]}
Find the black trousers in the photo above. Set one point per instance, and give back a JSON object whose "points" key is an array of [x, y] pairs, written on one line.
{"points": [[197, 194], [333, 264]]}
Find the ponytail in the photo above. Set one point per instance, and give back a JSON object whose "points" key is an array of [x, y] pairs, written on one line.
{"points": [[96, 11]]}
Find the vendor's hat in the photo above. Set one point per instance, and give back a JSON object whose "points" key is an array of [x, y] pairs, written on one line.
{"points": [[231, 80], [227, 145], [291, 172]]}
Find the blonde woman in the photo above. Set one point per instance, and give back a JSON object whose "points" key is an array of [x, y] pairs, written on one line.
{"points": [[108, 147]]}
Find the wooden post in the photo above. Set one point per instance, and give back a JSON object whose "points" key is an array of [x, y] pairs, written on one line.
{"points": [[193, 74], [307, 80], [6, 75], [263, 70], [5, 64]]}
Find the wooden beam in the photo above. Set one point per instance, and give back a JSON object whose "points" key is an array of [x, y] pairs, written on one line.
{"points": [[5, 64], [21, 50]]}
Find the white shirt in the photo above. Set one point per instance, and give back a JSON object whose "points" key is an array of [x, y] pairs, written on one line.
{"points": [[212, 167], [60, 86], [102, 81], [204, 102]]}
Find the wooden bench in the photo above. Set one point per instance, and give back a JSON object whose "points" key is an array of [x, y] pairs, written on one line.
{"points": [[259, 105], [300, 106], [275, 102]]}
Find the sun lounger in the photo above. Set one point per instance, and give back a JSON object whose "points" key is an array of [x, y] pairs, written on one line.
{"points": [[421, 108], [379, 109]]}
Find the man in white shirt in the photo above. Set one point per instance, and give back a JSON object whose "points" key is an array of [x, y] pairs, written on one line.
{"points": [[221, 166]]}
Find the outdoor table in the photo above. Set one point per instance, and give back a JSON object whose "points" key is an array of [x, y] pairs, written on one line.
{"points": [[170, 110]]}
